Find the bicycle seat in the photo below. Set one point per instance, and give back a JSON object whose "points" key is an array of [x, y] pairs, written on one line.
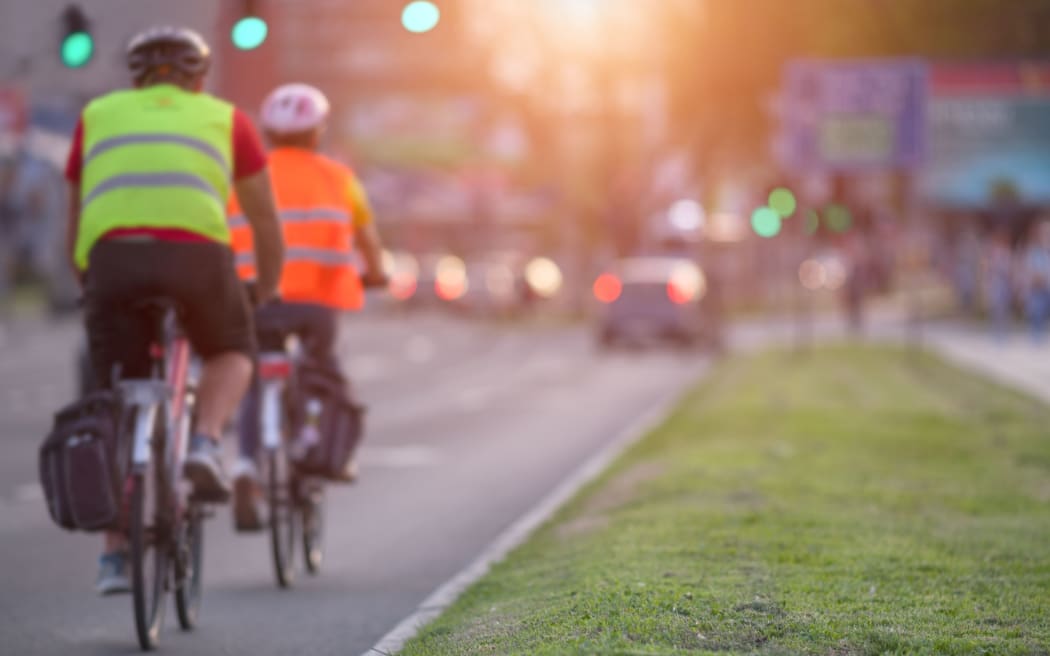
{"points": [[159, 305], [273, 332]]}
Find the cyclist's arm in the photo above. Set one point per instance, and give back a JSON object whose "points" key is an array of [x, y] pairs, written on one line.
{"points": [[71, 227], [74, 165], [368, 240], [256, 199]]}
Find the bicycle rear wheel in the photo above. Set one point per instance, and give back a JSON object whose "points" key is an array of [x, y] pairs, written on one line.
{"points": [[188, 567], [312, 505], [283, 517], [149, 546]]}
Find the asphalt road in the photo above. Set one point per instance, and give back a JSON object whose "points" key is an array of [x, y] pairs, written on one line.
{"points": [[469, 426]]}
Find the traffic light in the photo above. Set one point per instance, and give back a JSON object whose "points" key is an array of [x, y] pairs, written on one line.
{"points": [[766, 222], [250, 30], [420, 16], [77, 45], [782, 201]]}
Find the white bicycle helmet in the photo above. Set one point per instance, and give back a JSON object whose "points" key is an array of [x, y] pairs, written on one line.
{"points": [[293, 108], [175, 47]]}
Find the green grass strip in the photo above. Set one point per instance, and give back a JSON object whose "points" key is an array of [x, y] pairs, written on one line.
{"points": [[852, 501]]}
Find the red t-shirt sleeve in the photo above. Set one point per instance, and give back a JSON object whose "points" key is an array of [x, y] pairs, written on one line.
{"points": [[249, 155], [75, 161]]}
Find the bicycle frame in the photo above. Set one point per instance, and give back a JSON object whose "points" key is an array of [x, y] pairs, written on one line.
{"points": [[167, 390], [275, 370]]}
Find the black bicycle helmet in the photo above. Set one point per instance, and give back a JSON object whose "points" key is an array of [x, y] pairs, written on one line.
{"points": [[178, 48]]}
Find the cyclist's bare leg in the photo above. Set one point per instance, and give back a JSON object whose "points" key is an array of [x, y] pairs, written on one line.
{"points": [[115, 541], [224, 381]]}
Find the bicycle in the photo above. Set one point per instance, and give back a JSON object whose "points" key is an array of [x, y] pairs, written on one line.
{"points": [[164, 522], [295, 500]]}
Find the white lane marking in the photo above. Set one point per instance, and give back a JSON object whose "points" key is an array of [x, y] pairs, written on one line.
{"points": [[522, 528], [409, 456], [420, 349], [28, 492]]}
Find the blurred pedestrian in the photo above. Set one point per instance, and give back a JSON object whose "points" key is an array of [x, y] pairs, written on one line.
{"points": [[1036, 280], [998, 265], [857, 254], [967, 265]]}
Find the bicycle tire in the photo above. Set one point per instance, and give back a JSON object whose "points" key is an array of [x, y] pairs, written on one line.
{"points": [[282, 517], [189, 567], [148, 582], [312, 506]]}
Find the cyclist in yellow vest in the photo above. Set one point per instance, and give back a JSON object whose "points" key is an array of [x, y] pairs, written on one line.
{"points": [[150, 171], [324, 215]]}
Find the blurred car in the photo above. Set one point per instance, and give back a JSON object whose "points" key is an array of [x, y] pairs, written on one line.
{"points": [[427, 280], [492, 286], [655, 298]]}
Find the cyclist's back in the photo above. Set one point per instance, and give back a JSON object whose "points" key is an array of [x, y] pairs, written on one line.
{"points": [[324, 213], [150, 171]]}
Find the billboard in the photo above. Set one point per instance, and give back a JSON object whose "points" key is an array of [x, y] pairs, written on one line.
{"points": [[989, 135], [853, 115]]}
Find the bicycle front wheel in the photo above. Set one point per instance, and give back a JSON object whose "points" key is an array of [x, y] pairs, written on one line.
{"points": [[149, 554], [283, 517], [188, 569]]}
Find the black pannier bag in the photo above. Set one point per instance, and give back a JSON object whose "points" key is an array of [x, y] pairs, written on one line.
{"points": [[328, 421], [78, 464]]}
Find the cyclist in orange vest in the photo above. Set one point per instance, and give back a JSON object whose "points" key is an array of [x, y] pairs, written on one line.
{"points": [[324, 214]]}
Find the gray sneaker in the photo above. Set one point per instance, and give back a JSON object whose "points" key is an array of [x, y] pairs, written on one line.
{"points": [[113, 574], [203, 468]]}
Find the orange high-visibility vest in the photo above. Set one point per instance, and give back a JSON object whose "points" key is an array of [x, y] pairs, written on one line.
{"points": [[315, 207]]}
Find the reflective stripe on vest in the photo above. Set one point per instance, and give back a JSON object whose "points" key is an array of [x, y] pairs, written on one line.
{"points": [[156, 138], [320, 214], [151, 180], [299, 254]]}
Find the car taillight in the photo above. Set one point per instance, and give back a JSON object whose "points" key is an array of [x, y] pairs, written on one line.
{"points": [[450, 279], [686, 285], [607, 288], [402, 286], [450, 290], [678, 293]]}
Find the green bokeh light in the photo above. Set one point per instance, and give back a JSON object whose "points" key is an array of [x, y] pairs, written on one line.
{"points": [[420, 16], [783, 202], [838, 218], [249, 33], [77, 49], [765, 222]]}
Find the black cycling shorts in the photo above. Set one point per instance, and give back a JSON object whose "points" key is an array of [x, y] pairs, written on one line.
{"points": [[200, 277]]}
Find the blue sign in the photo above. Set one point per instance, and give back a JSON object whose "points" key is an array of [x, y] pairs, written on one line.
{"points": [[854, 115], [989, 135]]}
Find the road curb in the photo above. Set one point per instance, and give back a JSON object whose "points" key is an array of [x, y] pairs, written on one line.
{"points": [[514, 535]]}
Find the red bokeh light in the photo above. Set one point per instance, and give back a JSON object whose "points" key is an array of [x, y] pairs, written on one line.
{"points": [[607, 288]]}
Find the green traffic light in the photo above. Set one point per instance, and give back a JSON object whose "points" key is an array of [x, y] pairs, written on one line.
{"points": [[838, 218], [77, 49], [765, 222], [249, 33], [783, 202], [420, 16]]}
